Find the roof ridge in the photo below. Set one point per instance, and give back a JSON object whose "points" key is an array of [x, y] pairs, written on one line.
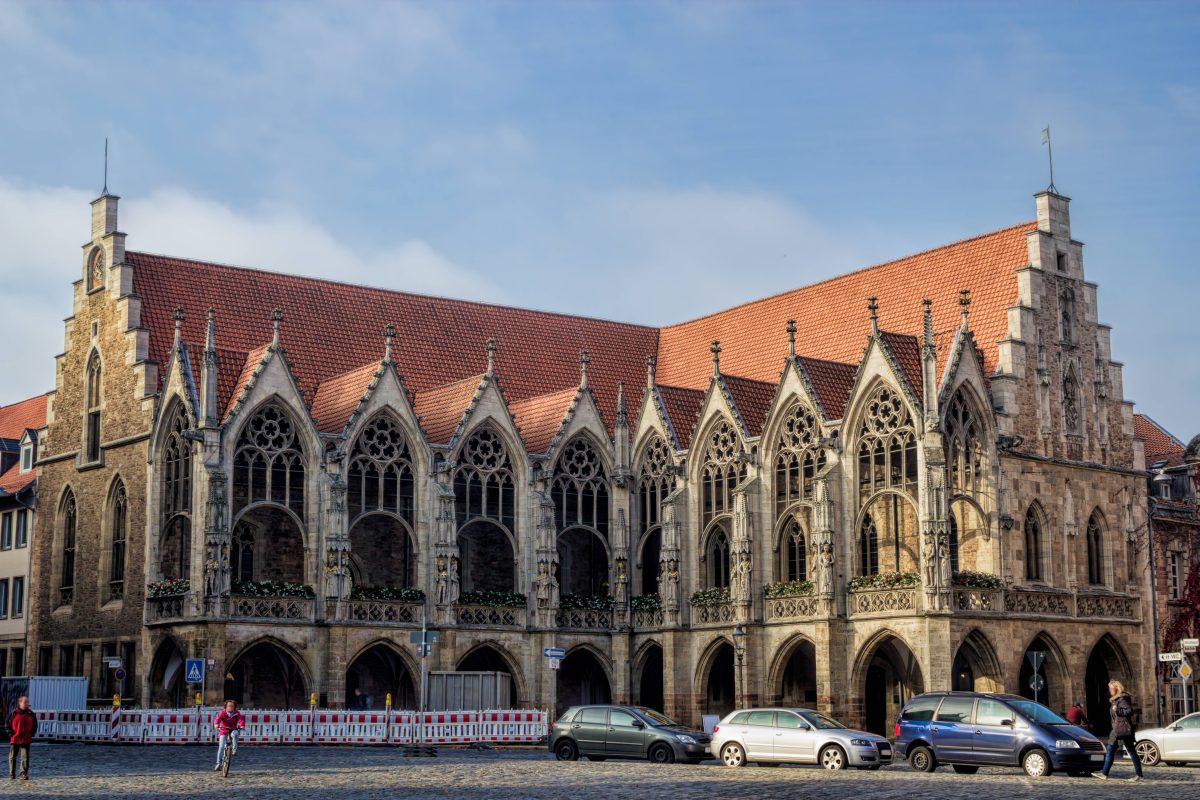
{"points": [[1154, 422], [859, 271]]}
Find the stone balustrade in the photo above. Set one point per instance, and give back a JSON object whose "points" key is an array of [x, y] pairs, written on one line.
{"points": [[712, 614], [380, 612], [647, 618], [489, 616], [165, 608], [585, 619], [297, 609], [1034, 601], [787, 609], [977, 600], [883, 601]]}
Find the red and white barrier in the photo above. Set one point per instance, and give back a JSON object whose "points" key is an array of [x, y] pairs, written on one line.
{"points": [[316, 726]]}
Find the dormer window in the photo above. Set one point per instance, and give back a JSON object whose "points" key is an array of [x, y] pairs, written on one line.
{"points": [[26, 455]]}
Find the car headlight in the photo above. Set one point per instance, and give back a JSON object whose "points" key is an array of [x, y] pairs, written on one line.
{"points": [[683, 737], [861, 742], [1067, 744]]}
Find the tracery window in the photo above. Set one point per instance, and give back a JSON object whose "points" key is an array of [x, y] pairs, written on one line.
{"points": [[1095, 550], [268, 466], [952, 537], [119, 504], [721, 472], [580, 488], [964, 448], [654, 483], [868, 547], [716, 556], [68, 519], [177, 469], [1033, 545], [242, 562], [91, 446], [795, 553], [799, 457], [381, 472], [887, 450], [1071, 417], [483, 483]]}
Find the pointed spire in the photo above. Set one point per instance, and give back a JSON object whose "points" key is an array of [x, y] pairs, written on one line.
{"points": [[276, 318], [389, 333], [584, 360], [964, 302], [716, 354], [650, 372], [873, 307], [491, 357], [622, 408], [791, 332], [178, 317], [208, 372], [928, 323], [210, 333]]}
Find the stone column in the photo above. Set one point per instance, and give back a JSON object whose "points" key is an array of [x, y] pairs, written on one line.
{"points": [[446, 555], [822, 544], [545, 581], [741, 559], [669, 588], [217, 568]]}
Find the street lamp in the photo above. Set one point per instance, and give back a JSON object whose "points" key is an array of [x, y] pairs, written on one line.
{"points": [[739, 649]]}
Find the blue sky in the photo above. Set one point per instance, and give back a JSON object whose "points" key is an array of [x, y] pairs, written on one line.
{"points": [[647, 161]]}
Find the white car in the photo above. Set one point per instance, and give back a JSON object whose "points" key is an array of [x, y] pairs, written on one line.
{"points": [[1175, 744], [797, 736]]}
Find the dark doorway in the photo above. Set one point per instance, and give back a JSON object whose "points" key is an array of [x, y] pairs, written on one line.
{"points": [[798, 683], [962, 677], [266, 676], [1051, 691], [488, 659], [651, 552], [876, 700], [650, 686], [581, 681], [893, 675], [720, 693], [377, 672], [166, 677], [1104, 664]]}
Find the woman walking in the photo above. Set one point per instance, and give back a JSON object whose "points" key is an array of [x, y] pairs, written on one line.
{"points": [[1120, 711]]}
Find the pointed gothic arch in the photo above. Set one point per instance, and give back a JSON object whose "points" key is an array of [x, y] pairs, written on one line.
{"points": [[66, 535], [1037, 550], [1098, 550], [381, 505], [792, 544], [116, 540], [269, 461], [793, 675], [655, 480], [798, 456], [975, 667], [94, 399], [268, 673], [378, 669]]}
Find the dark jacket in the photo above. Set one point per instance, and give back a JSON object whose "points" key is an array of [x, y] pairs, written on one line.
{"points": [[1120, 711], [23, 724]]}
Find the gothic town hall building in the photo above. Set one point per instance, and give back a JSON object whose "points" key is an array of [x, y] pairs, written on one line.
{"points": [[901, 479]]}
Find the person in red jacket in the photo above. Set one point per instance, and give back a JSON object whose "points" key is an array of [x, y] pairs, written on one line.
{"points": [[229, 723], [23, 724]]}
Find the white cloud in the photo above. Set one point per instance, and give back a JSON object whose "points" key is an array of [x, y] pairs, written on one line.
{"points": [[43, 229]]}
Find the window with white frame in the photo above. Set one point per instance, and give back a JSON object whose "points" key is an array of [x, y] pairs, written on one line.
{"points": [[6, 531], [1174, 576], [18, 596], [22, 527]]}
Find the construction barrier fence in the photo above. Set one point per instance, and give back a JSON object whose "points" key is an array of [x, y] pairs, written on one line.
{"points": [[315, 726]]}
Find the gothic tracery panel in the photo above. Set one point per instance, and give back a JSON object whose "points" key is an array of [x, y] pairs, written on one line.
{"points": [[799, 457], [483, 481], [381, 472], [268, 465]]}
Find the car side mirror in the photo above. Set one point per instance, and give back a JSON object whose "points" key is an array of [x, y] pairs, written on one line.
{"points": [[1175, 728], [637, 723], [805, 726], [1008, 722]]}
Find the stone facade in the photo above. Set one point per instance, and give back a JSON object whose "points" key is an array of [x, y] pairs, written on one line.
{"points": [[844, 536]]}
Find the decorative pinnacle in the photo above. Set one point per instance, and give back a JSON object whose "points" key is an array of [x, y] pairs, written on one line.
{"points": [[873, 307], [649, 372], [716, 353], [491, 357], [928, 319], [276, 318], [210, 334], [622, 408], [178, 317], [964, 301], [389, 332], [584, 360], [791, 332]]}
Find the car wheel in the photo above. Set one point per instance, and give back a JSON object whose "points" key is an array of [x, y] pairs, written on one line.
{"points": [[1036, 764], [566, 750], [833, 757], [1147, 753], [732, 755], [662, 754], [965, 769], [921, 760]]}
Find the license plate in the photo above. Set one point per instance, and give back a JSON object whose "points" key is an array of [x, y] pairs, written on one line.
{"points": [[1098, 757]]}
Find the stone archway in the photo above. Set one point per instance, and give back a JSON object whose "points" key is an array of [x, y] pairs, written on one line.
{"points": [[797, 677], [975, 667], [720, 682], [167, 688], [374, 674], [581, 680], [266, 675], [381, 552], [268, 545], [1055, 686], [650, 690], [487, 658], [487, 560], [889, 675], [1105, 663], [582, 563]]}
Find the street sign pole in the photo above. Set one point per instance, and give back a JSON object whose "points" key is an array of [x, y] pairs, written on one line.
{"points": [[1036, 657]]}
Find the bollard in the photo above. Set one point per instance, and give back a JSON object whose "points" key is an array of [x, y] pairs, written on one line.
{"points": [[312, 716], [387, 718], [199, 716], [115, 720]]}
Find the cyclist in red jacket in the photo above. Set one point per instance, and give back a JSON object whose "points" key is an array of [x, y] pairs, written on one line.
{"points": [[229, 723]]}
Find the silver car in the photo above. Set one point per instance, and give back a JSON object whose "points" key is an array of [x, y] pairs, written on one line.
{"points": [[795, 735]]}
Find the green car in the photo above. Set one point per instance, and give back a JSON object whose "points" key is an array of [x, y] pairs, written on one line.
{"points": [[601, 732]]}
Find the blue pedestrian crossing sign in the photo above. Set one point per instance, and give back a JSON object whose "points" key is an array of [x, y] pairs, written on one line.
{"points": [[194, 671]]}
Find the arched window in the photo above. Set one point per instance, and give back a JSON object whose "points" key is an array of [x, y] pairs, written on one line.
{"points": [[795, 553], [483, 482], [119, 519], [799, 458], [580, 488], [268, 466], [68, 519], [175, 548], [952, 536], [381, 472], [177, 468], [242, 563], [868, 547], [964, 450], [91, 446], [716, 555], [721, 472], [1033, 545], [1095, 550], [887, 450], [95, 269], [1071, 415], [654, 483]]}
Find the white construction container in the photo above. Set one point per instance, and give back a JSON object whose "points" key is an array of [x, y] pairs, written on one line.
{"points": [[469, 691], [45, 693]]}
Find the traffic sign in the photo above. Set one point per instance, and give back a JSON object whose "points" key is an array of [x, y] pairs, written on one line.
{"points": [[429, 636], [1184, 670], [1170, 656], [424, 650], [1036, 657], [113, 662], [1037, 682], [554, 652], [119, 673], [1189, 645], [553, 663], [194, 671]]}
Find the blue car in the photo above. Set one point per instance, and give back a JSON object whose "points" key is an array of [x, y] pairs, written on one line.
{"points": [[969, 730]]}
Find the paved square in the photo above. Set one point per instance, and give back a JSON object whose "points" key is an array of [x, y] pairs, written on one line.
{"points": [[326, 773]]}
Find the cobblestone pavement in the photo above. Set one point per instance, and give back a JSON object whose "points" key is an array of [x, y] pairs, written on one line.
{"points": [[325, 773]]}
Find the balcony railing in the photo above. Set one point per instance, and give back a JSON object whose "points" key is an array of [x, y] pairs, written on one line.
{"points": [[712, 614], [586, 619], [165, 608], [883, 601], [299, 609], [1048, 603], [1033, 601], [376, 612], [981, 601], [490, 616], [800, 607], [647, 618], [1112, 606]]}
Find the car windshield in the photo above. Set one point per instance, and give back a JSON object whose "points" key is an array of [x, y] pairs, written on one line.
{"points": [[1036, 712], [657, 718], [821, 722]]}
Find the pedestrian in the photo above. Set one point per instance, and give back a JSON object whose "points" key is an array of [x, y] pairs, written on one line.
{"points": [[1077, 716], [360, 700], [23, 725], [1120, 711], [229, 724]]}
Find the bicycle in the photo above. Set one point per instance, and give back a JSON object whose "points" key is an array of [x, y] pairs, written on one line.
{"points": [[228, 753]]}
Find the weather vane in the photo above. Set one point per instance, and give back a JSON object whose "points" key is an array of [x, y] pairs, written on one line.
{"points": [[1050, 153]]}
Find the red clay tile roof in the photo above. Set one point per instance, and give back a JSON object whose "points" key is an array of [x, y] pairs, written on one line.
{"points": [[683, 408], [11, 482], [337, 398], [907, 351], [331, 328], [831, 316], [439, 410], [252, 360], [539, 418], [832, 381], [1160, 445], [22, 415], [752, 399]]}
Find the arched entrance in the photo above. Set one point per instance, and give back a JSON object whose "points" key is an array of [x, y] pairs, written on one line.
{"points": [[267, 546], [891, 676], [1105, 663], [582, 680], [582, 563], [486, 558], [266, 675], [650, 678], [167, 689], [376, 672], [975, 667], [381, 552], [798, 677], [488, 659], [1053, 687], [720, 685]]}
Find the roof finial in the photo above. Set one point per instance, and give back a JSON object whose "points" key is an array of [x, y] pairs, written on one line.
{"points": [[622, 408], [491, 357], [873, 307], [178, 317], [389, 332], [104, 191], [716, 353], [649, 372], [276, 318], [964, 301], [210, 333], [928, 319], [584, 360], [791, 332]]}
